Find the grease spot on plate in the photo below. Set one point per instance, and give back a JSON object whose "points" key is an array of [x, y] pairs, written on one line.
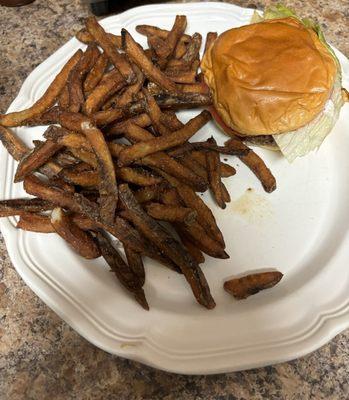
{"points": [[252, 206]]}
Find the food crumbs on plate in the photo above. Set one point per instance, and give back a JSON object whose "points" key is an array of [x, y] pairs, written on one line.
{"points": [[126, 345], [252, 206]]}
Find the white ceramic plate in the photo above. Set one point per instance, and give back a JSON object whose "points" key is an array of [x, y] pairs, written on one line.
{"points": [[300, 229]]}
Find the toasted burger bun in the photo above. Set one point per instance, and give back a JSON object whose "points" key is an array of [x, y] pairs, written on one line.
{"points": [[269, 78]]}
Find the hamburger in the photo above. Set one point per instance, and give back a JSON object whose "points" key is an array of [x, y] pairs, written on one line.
{"points": [[275, 82]]}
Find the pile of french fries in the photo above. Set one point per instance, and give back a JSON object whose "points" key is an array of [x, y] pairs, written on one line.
{"points": [[116, 160]]}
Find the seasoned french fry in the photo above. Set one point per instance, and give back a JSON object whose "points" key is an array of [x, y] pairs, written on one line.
{"points": [[77, 75], [154, 113], [42, 223], [107, 87], [171, 213], [136, 54], [169, 246], [47, 100], [35, 223], [127, 277], [149, 193], [194, 166], [214, 176], [192, 200], [61, 184], [96, 73], [63, 99], [12, 143], [108, 188], [225, 193], [81, 205], [140, 150], [243, 287], [118, 128], [135, 262], [193, 49], [81, 241], [21, 206], [127, 96], [118, 59], [193, 250], [36, 158], [85, 37], [197, 234], [84, 155], [137, 176], [149, 30], [178, 76], [183, 100], [170, 120], [256, 165], [226, 169], [83, 178]]}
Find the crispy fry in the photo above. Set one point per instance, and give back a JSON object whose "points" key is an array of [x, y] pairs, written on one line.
{"points": [[81, 205], [36, 158], [119, 60], [165, 52], [178, 76], [226, 169], [183, 100], [194, 166], [135, 262], [194, 88], [137, 176], [127, 277], [127, 96], [81, 241], [96, 73], [155, 113], [108, 188], [214, 176], [86, 156], [225, 193], [192, 200], [197, 234], [140, 150], [193, 49], [84, 178], [116, 114], [256, 165], [241, 288], [149, 30], [239, 149], [149, 193], [63, 99], [20, 206], [42, 223], [170, 120], [85, 37], [12, 143], [193, 250], [61, 184], [107, 87], [169, 246], [118, 128], [171, 213], [35, 223], [66, 138], [47, 100], [136, 54], [77, 75], [170, 197], [167, 164]]}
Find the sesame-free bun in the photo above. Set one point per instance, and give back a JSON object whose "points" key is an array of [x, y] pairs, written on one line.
{"points": [[271, 77]]}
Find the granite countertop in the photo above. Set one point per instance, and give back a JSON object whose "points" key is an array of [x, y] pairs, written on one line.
{"points": [[41, 357]]}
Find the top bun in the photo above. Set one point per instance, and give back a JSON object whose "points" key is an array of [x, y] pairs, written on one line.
{"points": [[270, 77]]}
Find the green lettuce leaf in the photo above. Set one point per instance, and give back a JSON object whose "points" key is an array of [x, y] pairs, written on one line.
{"points": [[309, 137]]}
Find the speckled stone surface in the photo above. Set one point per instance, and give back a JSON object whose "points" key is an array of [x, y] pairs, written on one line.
{"points": [[41, 357]]}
